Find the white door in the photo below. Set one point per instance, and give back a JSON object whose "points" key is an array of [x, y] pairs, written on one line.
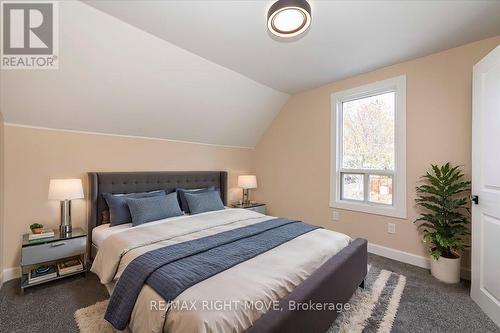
{"points": [[486, 185]]}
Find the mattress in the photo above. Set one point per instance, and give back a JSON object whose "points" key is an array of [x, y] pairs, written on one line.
{"points": [[258, 281], [100, 233]]}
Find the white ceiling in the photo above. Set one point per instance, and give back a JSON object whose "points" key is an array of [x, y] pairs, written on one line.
{"points": [[346, 37], [115, 78]]}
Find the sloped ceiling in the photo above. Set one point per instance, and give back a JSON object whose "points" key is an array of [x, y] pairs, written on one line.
{"points": [[209, 72], [115, 78], [346, 37]]}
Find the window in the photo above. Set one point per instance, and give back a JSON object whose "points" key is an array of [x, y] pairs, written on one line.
{"points": [[368, 143]]}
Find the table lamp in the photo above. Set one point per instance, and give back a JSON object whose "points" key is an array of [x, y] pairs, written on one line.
{"points": [[246, 182], [65, 190]]}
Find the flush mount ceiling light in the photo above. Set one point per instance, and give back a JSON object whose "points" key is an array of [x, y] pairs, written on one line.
{"points": [[289, 18]]}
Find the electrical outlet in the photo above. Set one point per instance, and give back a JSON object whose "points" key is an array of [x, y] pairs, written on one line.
{"points": [[391, 228], [335, 215]]}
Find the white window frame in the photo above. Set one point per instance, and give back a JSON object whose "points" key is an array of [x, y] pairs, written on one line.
{"points": [[398, 207]]}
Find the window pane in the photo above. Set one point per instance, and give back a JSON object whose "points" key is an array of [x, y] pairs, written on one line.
{"points": [[352, 186], [381, 189], [368, 132]]}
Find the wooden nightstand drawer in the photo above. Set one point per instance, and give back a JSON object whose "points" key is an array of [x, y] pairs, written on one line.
{"points": [[63, 248]]}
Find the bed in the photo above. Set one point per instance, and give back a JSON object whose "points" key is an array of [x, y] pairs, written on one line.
{"points": [[289, 288]]}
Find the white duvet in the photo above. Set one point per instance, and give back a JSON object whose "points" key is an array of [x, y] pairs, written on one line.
{"points": [[230, 301]]}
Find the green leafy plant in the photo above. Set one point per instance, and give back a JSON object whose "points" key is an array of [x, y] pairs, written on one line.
{"points": [[36, 226], [444, 196]]}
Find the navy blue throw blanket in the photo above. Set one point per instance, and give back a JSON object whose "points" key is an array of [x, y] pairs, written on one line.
{"points": [[172, 269]]}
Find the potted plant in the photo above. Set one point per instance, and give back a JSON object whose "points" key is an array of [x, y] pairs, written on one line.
{"points": [[36, 228], [444, 196]]}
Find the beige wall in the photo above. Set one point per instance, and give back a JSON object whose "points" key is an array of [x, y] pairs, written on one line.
{"points": [[292, 160], [33, 156], [2, 234]]}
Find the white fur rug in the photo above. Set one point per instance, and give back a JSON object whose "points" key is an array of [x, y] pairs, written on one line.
{"points": [[91, 319], [373, 309]]}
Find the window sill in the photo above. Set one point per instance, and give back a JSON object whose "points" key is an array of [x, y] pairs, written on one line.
{"points": [[370, 208]]}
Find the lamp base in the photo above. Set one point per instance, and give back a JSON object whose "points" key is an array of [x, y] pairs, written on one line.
{"points": [[65, 227], [246, 196]]}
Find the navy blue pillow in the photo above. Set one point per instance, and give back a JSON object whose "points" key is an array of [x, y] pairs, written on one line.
{"points": [[204, 202], [183, 191], [118, 209], [146, 210]]}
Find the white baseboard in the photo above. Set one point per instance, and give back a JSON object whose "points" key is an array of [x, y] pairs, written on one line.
{"points": [[398, 255], [408, 258], [10, 274]]}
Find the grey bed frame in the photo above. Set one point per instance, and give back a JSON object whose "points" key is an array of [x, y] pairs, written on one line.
{"points": [[332, 283]]}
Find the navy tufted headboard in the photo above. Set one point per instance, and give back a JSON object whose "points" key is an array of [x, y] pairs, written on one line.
{"points": [[130, 182]]}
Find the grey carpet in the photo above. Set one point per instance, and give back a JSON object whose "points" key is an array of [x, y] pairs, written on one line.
{"points": [[426, 305], [48, 307]]}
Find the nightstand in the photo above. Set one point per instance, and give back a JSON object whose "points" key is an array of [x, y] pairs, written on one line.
{"points": [[256, 207], [50, 251]]}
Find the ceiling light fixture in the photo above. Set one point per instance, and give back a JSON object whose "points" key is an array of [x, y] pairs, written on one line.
{"points": [[289, 18]]}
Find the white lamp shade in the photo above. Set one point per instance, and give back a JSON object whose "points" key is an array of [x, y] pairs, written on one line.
{"points": [[247, 181], [65, 189]]}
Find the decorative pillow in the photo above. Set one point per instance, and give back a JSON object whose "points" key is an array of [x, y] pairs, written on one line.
{"points": [[183, 191], [146, 210], [118, 209], [204, 202]]}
